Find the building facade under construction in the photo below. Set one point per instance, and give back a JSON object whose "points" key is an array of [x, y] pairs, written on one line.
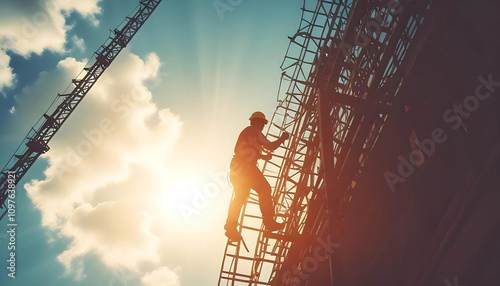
{"points": [[390, 176]]}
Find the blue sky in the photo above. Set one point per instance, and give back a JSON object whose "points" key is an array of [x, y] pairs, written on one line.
{"points": [[146, 201]]}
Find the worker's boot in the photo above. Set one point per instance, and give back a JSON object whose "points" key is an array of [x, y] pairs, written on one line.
{"points": [[231, 231], [272, 225]]}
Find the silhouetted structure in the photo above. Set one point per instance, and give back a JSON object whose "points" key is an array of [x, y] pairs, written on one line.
{"points": [[390, 175]]}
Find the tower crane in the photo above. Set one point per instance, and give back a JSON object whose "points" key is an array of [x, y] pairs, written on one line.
{"points": [[36, 142]]}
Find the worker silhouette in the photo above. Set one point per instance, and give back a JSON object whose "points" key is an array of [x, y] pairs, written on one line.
{"points": [[245, 175]]}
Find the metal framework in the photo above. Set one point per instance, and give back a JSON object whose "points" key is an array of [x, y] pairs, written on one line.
{"points": [[345, 66], [36, 142]]}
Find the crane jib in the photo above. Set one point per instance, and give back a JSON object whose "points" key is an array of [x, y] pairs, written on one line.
{"points": [[36, 142]]}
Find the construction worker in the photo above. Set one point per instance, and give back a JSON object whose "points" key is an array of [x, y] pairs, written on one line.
{"points": [[245, 175]]}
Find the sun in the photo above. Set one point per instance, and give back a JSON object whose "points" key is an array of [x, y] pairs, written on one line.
{"points": [[191, 198], [180, 200], [183, 190]]}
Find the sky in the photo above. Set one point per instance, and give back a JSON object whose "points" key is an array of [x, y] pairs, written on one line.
{"points": [[133, 190]]}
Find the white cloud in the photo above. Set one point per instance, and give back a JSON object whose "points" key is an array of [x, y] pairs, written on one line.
{"points": [[79, 43], [161, 277], [6, 75], [107, 166], [113, 231], [32, 26]]}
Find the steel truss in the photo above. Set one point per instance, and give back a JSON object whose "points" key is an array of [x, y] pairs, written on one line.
{"points": [[344, 65]]}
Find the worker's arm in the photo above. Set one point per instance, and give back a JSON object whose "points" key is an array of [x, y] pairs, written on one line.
{"points": [[266, 157], [271, 146]]}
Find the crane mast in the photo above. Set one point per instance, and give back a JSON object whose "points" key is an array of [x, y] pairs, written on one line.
{"points": [[36, 142]]}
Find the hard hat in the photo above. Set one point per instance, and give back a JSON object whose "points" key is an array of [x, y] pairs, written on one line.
{"points": [[258, 115]]}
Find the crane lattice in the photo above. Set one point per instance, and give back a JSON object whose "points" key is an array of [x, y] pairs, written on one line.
{"points": [[37, 140]]}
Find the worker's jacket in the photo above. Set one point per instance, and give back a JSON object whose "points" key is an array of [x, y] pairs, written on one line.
{"points": [[251, 142]]}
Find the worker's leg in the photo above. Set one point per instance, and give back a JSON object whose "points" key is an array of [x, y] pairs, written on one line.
{"points": [[263, 189], [241, 193]]}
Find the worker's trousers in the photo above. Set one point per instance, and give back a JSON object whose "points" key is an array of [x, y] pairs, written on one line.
{"points": [[245, 177]]}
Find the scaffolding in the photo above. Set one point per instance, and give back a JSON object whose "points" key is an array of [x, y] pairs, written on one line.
{"points": [[344, 67]]}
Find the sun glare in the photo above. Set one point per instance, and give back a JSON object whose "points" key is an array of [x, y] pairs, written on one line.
{"points": [[182, 190], [182, 201]]}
